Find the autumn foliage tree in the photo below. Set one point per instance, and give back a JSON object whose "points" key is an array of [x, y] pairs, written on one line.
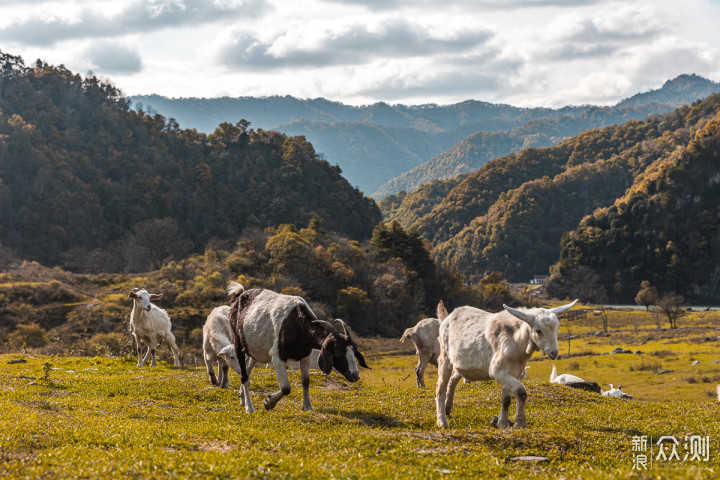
{"points": [[647, 295]]}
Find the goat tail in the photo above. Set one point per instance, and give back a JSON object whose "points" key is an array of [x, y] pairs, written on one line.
{"points": [[553, 374], [235, 289], [408, 334], [441, 311]]}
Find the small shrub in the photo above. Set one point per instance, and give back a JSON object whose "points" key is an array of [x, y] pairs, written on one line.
{"points": [[32, 335], [113, 344], [643, 366], [196, 336], [574, 365], [662, 353]]}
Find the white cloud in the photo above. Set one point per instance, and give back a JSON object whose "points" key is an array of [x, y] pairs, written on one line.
{"points": [[111, 57], [94, 20], [352, 42], [523, 52]]}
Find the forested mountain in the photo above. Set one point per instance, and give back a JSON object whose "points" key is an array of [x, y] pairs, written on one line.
{"points": [[375, 145], [512, 213], [665, 229], [371, 143], [481, 147], [84, 178]]}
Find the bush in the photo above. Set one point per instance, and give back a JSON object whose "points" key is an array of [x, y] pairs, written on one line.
{"points": [[32, 335], [112, 344]]}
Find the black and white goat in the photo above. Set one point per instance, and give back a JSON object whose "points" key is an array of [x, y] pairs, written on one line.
{"points": [[273, 328]]}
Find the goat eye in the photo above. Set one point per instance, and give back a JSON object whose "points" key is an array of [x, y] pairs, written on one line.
{"points": [[538, 332]]}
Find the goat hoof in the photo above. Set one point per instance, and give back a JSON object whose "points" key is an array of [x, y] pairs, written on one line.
{"points": [[501, 425], [308, 409], [269, 405], [442, 423]]}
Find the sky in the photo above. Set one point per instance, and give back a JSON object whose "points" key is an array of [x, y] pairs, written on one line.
{"points": [[520, 52]]}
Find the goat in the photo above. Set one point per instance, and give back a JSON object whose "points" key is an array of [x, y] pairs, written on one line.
{"points": [[563, 379], [572, 381], [477, 345], [219, 346], [339, 325], [616, 392], [718, 393], [270, 327], [424, 336], [150, 324]]}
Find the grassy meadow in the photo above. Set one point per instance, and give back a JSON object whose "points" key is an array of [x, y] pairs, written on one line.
{"points": [[98, 417]]}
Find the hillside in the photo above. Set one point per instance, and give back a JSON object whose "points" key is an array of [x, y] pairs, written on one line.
{"points": [[370, 143], [473, 152], [665, 228], [84, 176], [511, 214], [385, 148]]}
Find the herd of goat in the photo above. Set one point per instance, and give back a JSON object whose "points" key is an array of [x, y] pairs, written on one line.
{"points": [[260, 326]]}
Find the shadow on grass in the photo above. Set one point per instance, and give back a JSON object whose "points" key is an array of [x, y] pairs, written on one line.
{"points": [[370, 419]]}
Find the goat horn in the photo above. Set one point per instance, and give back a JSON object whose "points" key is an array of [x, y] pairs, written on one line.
{"points": [[329, 326], [345, 328]]}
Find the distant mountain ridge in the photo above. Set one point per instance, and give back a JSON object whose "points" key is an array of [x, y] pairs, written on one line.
{"points": [[616, 206], [377, 146]]}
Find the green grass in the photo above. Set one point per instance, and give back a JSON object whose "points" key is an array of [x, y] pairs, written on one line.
{"points": [[105, 418]]}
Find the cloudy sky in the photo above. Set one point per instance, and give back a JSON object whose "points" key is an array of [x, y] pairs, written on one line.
{"points": [[521, 52]]}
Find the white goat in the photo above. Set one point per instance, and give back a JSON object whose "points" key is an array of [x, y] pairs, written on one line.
{"points": [[563, 379], [477, 345], [616, 392], [150, 324], [424, 336], [718, 392], [219, 346], [573, 381], [271, 327]]}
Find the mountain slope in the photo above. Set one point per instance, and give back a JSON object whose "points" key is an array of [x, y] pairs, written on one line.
{"points": [[481, 147], [511, 215], [385, 148], [81, 171], [665, 229]]}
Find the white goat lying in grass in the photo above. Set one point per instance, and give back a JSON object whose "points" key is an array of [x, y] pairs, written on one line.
{"points": [[424, 336], [563, 379], [616, 392], [477, 345], [219, 346], [573, 381], [150, 324]]}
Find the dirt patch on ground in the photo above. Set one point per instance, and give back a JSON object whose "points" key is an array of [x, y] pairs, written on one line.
{"points": [[215, 446]]}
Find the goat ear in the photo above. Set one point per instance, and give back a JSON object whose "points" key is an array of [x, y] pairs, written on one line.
{"points": [[521, 315], [227, 350], [132, 294], [325, 359], [441, 311], [156, 296], [361, 360], [564, 308]]}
